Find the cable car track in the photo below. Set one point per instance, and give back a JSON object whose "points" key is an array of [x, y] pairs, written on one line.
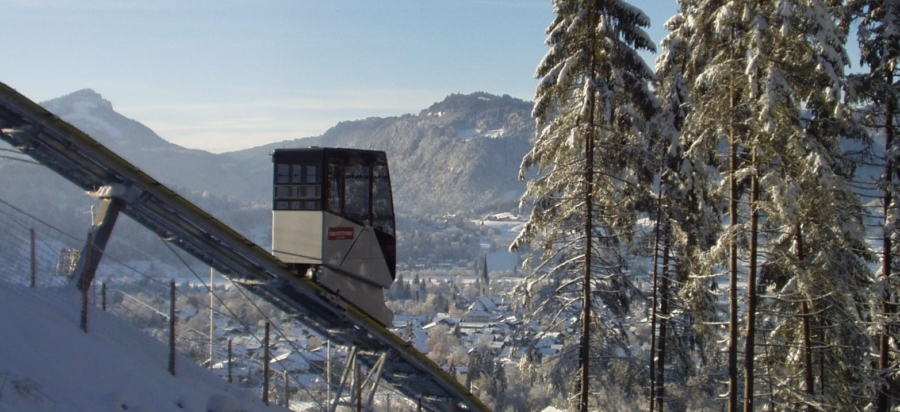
{"points": [[91, 166]]}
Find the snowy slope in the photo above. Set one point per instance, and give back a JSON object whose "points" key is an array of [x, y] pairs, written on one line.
{"points": [[47, 363]]}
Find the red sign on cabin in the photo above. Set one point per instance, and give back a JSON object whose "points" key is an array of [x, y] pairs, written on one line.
{"points": [[340, 233]]}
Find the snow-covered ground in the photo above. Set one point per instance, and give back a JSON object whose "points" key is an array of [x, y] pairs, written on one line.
{"points": [[508, 227], [47, 363]]}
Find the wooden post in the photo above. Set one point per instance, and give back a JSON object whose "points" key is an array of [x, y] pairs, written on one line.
{"points": [[103, 295], [84, 290], [33, 262], [172, 329], [287, 389], [230, 379], [84, 310], [211, 318], [266, 366]]}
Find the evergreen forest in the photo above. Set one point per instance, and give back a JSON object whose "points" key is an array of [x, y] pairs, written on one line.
{"points": [[719, 232]]}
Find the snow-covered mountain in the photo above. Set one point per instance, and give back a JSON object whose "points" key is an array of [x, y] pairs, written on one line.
{"points": [[460, 155]]}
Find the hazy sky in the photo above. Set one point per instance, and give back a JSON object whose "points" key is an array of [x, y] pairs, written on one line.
{"points": [[223, 75]]}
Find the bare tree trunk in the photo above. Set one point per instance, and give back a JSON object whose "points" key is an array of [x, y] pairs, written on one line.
{"points": [[808, 376], [588, 181], [822, 356], [663, 323], [584, 351], [882, 402], [654, 299], [733, 260], [750, 344]]}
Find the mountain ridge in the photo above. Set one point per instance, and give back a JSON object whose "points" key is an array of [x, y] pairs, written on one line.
{"points": [[459, 156]]}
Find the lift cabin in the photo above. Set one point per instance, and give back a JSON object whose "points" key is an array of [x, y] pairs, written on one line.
{"points": [[333, 220]]}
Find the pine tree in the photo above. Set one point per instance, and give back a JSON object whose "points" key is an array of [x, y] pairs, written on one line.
{"points": [[717, 36], [747, 60], [799, 203], [590, 108], [879, 41], [474, 371], [687, 220]]}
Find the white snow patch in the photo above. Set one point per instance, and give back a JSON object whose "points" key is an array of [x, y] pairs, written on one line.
{"points": [[55, 366], [221, 402]]}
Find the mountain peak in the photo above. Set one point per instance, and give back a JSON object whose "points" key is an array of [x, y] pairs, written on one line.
{"points": [[89, 111], [471, 102], [84, 97]]}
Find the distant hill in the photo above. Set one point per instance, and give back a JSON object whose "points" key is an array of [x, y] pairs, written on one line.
{"points": [[194, 170], [459, 156]]}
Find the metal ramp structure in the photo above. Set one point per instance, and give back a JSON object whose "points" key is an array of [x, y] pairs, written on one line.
{"points": [[94, 168]]}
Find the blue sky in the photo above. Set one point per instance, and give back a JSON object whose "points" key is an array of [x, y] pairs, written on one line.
{"points": [[222, 75]]}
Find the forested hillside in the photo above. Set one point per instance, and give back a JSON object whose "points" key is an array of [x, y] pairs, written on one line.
{"points": [[460, 155]]}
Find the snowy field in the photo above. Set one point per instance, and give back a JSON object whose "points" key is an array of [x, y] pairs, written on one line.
{"points": [[508, 227], [47, 363]]}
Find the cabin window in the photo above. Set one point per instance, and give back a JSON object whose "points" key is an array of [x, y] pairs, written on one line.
{"points": [[357, 191], [282, 173], [297, 187], [382, 208], [335, 189], [355, 186]]}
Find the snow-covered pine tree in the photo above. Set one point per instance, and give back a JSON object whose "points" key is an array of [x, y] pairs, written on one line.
{"points": [[879, 42], [690, 221], [717, 33], [591, 107], [804, 219]]}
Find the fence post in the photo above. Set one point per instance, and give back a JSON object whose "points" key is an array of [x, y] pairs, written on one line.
{"points": [[82, 287], [266, 367], [84, 311], [103, 295], [212, 273], [230, 380], [172, 329], [287, 389], [33, 262]]}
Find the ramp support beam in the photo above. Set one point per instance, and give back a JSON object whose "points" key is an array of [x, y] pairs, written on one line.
{"points": [[371, 380], [101, 230]]}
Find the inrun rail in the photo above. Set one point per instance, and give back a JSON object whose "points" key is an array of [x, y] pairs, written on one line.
{"points": [[82, 160]]}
